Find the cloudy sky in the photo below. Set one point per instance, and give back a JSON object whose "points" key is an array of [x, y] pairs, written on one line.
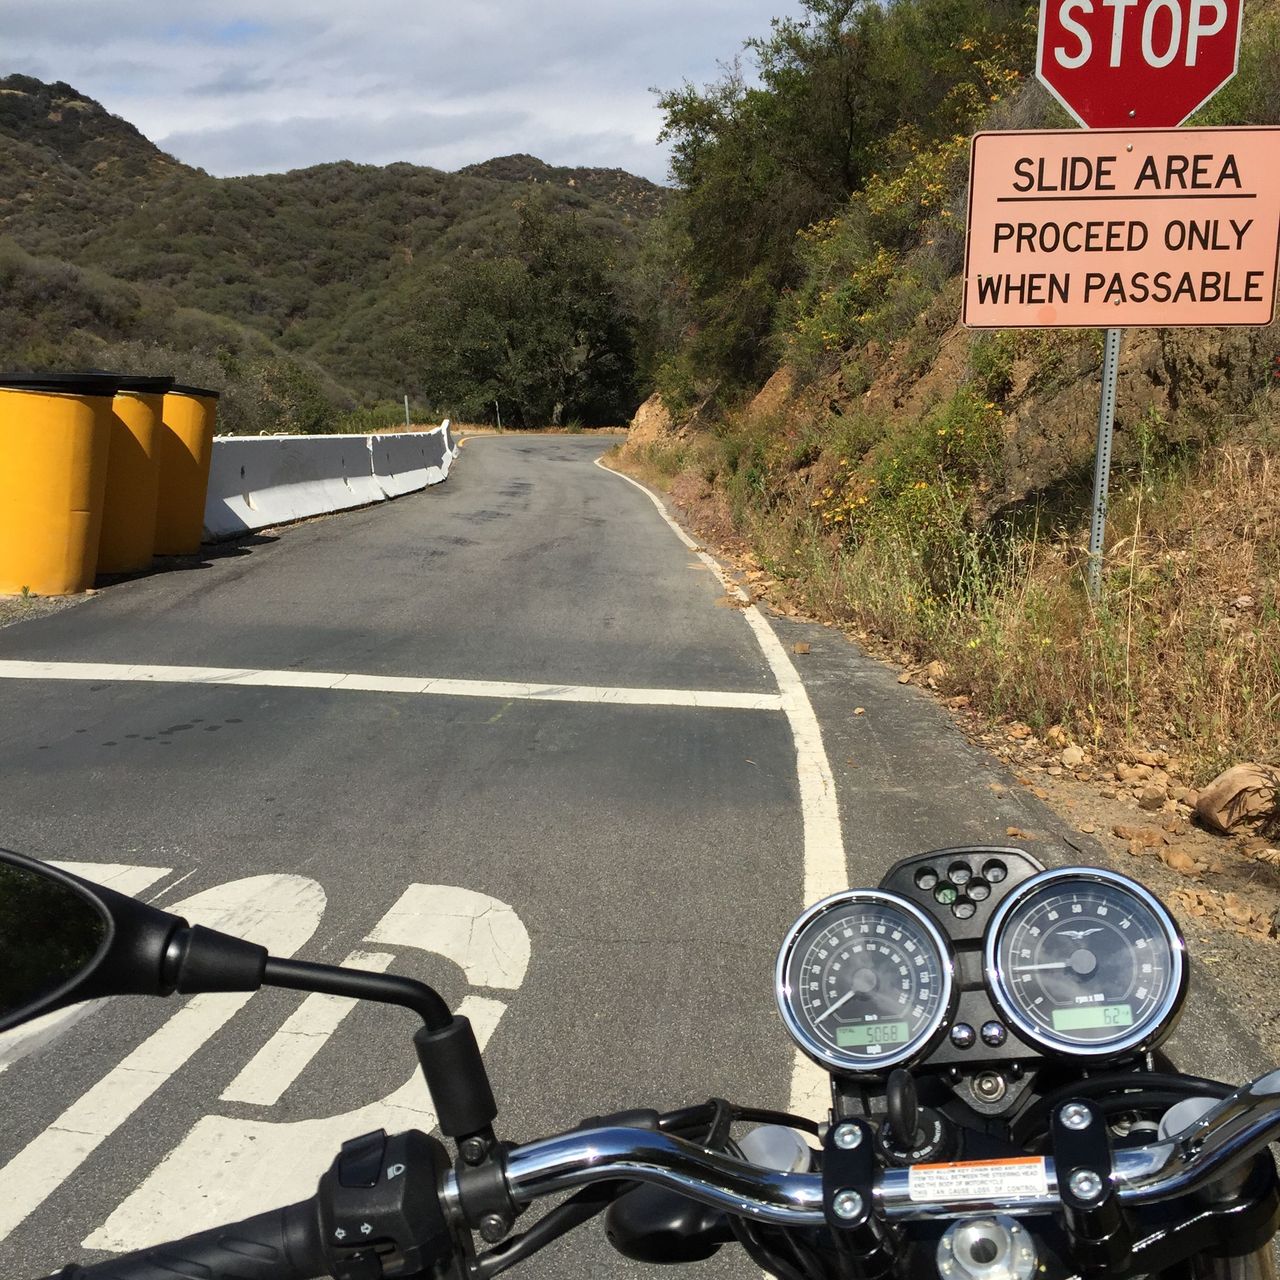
{"points": [[257, 86]]}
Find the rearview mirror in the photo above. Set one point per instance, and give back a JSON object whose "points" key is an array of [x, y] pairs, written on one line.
{"points": [[53, 935]]}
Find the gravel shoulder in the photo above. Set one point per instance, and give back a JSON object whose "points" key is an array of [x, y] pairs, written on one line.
{"points": [[24, 608]]}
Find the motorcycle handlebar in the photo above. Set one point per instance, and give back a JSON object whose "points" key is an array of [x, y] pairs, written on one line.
{"points": [[288, 1244], [1225, 1138], [284, 1244]]}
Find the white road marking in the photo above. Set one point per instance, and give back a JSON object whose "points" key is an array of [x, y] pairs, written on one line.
{"points": [[287, 1054], [128, 673], [482, 936], [825, 870], [121, 877], [169, 888], [226, 1168], [280, 911], [34, 1035]]}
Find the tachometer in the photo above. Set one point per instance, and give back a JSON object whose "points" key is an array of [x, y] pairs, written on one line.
{"points": [[865, 981], [1084, 961]]}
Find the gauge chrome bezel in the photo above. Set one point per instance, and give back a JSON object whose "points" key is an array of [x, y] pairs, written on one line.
{"points": [[1152, 1029], [920, 1044]]}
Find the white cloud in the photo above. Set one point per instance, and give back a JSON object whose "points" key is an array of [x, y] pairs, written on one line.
{"points": [[240, 87]]}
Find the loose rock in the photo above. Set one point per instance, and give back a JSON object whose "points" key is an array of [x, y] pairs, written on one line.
{"points": [[1151, 798], [1244, 794]]}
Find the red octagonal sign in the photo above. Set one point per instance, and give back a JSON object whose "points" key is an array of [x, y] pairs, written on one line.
{"points": [[1139, 63]]}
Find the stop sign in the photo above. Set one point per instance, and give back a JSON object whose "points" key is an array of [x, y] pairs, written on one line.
{"points": [[1143, 63]]}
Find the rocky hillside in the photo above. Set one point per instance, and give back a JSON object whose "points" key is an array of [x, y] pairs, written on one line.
{"points": [[824, 414]]}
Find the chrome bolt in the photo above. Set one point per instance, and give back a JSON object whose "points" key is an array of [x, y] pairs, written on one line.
{"points": [[989, 1086], [1075, 1116], [1085, 1185], [848, 1137], [847, 1205]]}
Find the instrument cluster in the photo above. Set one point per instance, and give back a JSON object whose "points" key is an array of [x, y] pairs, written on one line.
{"points": [[972, 956]]}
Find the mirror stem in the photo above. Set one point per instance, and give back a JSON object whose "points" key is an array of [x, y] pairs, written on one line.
{"points": [[384, 988]]}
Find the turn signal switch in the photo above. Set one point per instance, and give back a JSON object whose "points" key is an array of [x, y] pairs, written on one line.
{"points": [[380, 1207]]}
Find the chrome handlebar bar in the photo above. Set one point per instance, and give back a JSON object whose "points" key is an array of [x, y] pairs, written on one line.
{"points": [[1223, 1139]]}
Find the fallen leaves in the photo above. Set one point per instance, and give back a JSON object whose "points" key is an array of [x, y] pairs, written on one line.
{"points": [[1017, 833], [800, 647]]}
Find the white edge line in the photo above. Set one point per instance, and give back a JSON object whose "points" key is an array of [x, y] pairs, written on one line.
{"points": [[825, 871], [111, 673]]}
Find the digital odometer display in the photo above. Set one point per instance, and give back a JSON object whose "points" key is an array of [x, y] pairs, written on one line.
{"points": [[873, 1033], [1090, 1017], [864, 981], [1085, 961]]}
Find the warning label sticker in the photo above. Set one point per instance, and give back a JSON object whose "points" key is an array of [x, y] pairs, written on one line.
{"points": [[984, 1180]]}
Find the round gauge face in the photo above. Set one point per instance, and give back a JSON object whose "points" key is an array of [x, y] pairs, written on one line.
{"points": [[1083, 961], [864, 981]]}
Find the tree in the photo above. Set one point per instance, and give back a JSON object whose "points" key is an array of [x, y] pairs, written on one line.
{"points": [[758, 159], [541, 327]]}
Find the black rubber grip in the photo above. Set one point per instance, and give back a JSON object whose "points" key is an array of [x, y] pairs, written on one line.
{"points": [[281, 1245]]}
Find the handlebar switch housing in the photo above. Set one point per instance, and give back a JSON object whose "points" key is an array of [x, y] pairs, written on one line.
{"points": [[380, 1207], [1096, 1226]]}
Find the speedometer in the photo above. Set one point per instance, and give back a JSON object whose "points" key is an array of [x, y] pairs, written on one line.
{"points": [[1084, 961], [865, 981]]}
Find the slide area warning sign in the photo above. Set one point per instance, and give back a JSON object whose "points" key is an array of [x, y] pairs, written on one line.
{"points": [[1105, 229]]}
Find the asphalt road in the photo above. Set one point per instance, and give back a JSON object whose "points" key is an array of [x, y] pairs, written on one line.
{"points": [[618, 868]]}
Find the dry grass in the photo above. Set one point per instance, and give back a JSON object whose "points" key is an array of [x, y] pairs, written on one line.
{"points": [[1183, 652], [1184, 649]]}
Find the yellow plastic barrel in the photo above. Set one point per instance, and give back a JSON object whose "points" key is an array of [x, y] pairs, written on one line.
{"points": [[133, 475], [55, 431], [186, 451]]}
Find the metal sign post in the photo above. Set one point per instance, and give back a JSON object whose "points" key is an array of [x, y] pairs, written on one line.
{"points": [[1102, 459], [1112, 69], [407, 423]]}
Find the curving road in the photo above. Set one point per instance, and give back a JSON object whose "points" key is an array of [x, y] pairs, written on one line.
{"points": [[519, 691]]}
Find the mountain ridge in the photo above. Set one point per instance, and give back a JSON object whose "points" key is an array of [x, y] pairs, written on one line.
{"points": [[324, 262]]}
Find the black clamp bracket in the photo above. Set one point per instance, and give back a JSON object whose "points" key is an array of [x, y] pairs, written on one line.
{"points": [[1095, 1222], [380, 1207], [848, 1196]]}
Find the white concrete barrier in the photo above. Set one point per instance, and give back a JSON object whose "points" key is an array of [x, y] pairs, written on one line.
{"points": [[257, 481]]}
